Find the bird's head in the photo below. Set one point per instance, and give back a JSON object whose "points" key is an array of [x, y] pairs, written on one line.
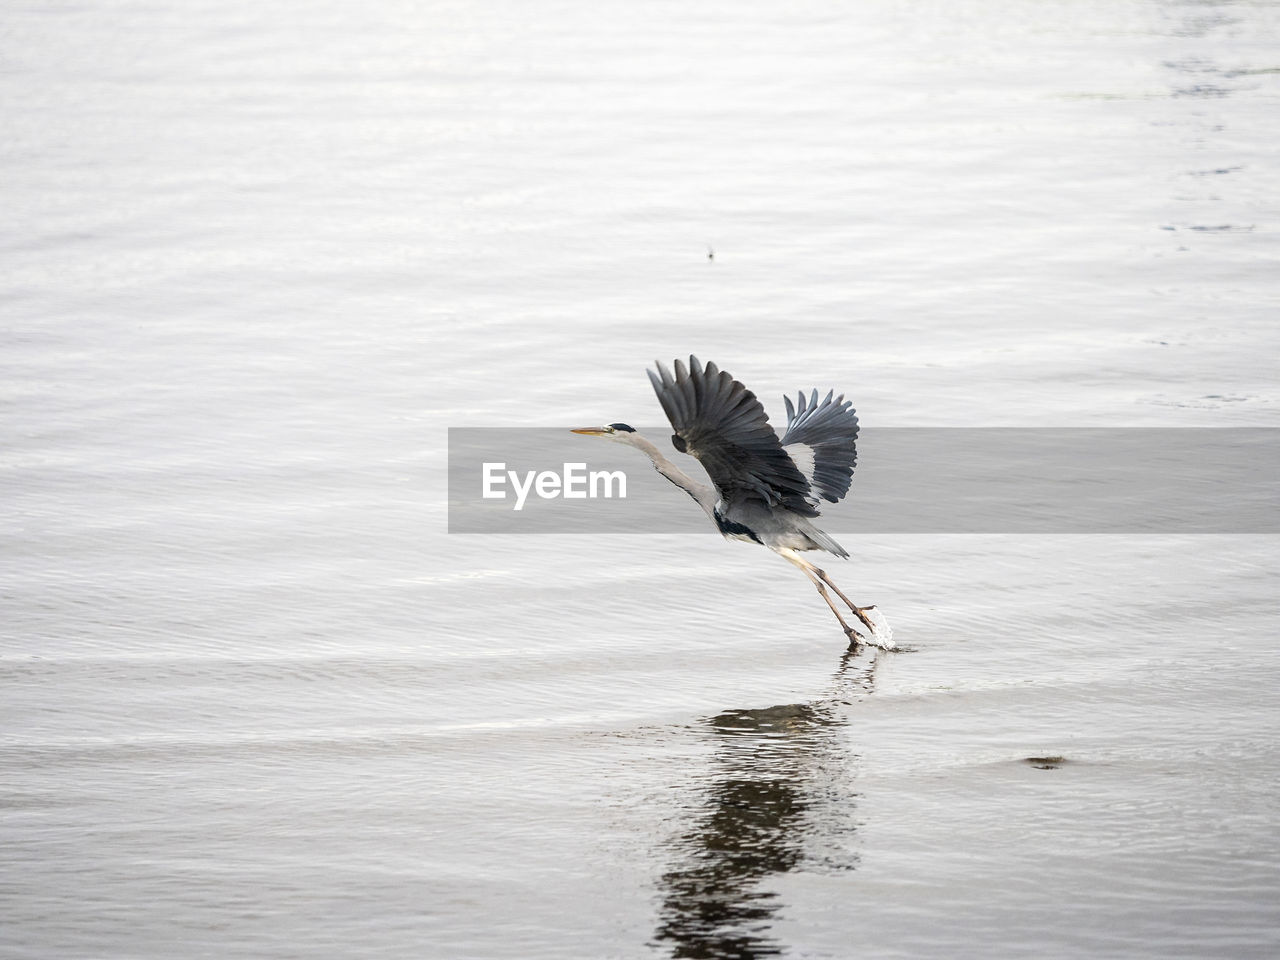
{"points": [[618, 432]]}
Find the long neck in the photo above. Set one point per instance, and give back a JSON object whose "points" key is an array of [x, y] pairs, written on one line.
{"points": [[704, 494]]}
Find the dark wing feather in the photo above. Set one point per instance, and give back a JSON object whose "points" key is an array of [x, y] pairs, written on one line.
{"points": [[719, 421], [830, 430]]}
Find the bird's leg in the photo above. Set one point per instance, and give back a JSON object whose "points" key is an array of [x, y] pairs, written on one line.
{"points": [[853, 635], [858, 611], [808, 569]]}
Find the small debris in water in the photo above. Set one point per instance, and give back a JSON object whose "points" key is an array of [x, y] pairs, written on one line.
{"points": [[1046, 763]]}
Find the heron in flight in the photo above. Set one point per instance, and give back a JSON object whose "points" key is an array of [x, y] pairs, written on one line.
{"points": [[763, 489]]}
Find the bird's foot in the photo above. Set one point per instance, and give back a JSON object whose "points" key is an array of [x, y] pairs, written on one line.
{"points": [[860, 613], [877, 636]]}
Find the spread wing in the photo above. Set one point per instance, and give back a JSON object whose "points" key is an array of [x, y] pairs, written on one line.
{"points": [[721, 422], [822, 440]]}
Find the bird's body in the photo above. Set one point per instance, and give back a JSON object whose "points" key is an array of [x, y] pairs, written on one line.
{"points": [[764, 488]]}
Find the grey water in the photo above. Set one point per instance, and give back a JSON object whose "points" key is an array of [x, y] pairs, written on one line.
{"points": [[256, 701]]}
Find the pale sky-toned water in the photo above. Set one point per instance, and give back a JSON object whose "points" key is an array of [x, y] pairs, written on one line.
{"points": [[256, 702]]}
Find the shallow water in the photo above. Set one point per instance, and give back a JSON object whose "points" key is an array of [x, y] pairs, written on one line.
{"points": [[256, 702]]}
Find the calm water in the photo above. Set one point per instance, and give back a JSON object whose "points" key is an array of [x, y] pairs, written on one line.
{"points": [[255, 702]]}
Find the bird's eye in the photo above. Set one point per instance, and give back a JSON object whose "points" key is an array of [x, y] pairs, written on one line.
{"points": [[610, 430]]}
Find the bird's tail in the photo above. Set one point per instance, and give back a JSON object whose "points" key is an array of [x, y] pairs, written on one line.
{"points": [[825, 541]]}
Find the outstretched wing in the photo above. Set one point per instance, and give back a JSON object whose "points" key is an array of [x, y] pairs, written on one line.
{"points": [[821, 439], [721, 422]]}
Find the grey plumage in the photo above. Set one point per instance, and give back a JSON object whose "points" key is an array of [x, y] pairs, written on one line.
{"points": [[721, 422], [764, 488], [830, 430]]}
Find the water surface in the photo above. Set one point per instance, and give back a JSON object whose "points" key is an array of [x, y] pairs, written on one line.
{"points": [[257, 703]]}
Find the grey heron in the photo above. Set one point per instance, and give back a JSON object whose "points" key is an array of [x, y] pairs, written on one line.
{"points": [[764, 489]]}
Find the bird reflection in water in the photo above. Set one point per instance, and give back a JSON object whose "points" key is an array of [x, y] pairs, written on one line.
{"points": [[780, 796]]}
